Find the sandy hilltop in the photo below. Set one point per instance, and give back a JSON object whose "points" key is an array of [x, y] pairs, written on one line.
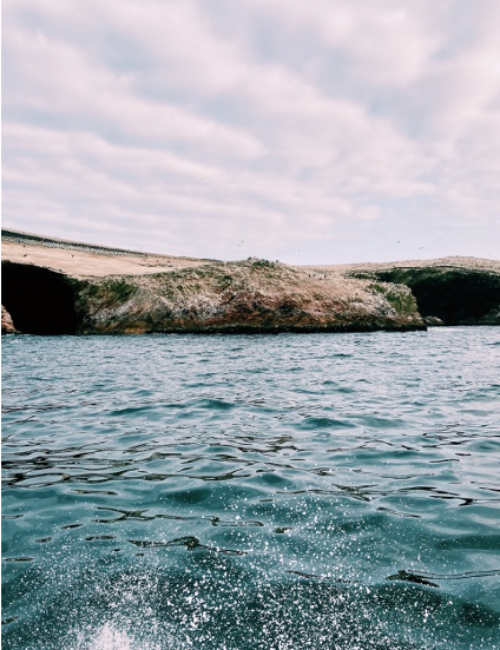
{"points": [[52, 286]]}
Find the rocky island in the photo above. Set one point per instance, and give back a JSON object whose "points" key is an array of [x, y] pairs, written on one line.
{"points": [[52, 286]]}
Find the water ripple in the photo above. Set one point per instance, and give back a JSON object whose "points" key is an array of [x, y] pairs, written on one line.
{"points": [[325, 491]]}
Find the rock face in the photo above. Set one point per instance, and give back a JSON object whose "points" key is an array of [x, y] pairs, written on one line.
{"points": [[7, 323], [252, 296]]}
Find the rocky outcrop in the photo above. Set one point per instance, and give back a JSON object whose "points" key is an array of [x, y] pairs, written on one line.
{"points": [[251, 296], [7, 323]]}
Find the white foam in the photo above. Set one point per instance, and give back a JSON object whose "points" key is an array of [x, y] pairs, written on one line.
{"points": [[109, 637]]}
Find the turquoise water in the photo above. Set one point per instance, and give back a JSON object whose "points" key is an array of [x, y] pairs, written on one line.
{"points": [[252, 492]]}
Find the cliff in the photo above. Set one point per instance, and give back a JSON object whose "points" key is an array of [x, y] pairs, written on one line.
{"points": [[56, 287], [251, 296]]}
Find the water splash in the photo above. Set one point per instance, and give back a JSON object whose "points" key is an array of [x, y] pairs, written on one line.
{"points": [[111, 636], [107, 638]]}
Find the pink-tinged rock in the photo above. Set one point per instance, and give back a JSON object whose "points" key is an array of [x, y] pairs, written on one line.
{"points": [[7, 323]]}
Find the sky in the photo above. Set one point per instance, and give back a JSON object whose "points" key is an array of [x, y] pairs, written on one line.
{"points": [[305, 131]]}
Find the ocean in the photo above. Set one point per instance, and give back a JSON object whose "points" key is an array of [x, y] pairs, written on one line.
{"points": [[233, 492]]}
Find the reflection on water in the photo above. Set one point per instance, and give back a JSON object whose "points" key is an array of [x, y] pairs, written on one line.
{"points": [[239, 492]]}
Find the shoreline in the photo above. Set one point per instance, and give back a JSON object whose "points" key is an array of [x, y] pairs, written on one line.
{"points": [[59, 287]]}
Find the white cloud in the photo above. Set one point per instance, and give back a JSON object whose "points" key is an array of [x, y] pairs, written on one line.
{"points": [[205, 127], [389, 43]]}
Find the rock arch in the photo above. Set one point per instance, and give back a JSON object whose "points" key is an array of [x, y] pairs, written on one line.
{"points": [[457, 296]]}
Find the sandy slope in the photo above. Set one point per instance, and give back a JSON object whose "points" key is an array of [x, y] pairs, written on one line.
{"points": [[84, 260], [469, 263], [85, 263]]}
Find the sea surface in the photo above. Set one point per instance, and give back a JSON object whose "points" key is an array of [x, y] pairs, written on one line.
{"points": [[289, 492]]}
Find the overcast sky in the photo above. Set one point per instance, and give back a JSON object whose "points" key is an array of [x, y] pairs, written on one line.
{"points": [[309, 131]]}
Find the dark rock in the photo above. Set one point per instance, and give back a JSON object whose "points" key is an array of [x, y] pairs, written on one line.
{"points": [[433, 321]]}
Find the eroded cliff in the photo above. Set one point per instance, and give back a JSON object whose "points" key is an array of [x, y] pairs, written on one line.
{"points": [[251, 296]]}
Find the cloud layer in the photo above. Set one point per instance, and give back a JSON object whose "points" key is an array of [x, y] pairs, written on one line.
{"points": [[312, 132]]}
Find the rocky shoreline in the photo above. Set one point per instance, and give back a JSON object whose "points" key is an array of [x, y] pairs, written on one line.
{"points": [[73, 288]]}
